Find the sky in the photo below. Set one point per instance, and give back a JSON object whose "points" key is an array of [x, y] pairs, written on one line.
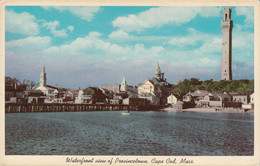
{"points": [[84, 46]]}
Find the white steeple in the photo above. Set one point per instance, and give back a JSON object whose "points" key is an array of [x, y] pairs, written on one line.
{"points": [[43, 77], [123, 84]]}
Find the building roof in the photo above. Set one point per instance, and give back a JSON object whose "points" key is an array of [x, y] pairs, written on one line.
{"points": [[44, 88], [240, 95], [121, 94], [198, 93], [231, 93], [222, 95], [92, 91], [177, 96], [219, 95], [56, 87], [74, 91], [34, 93], [157, 81]]}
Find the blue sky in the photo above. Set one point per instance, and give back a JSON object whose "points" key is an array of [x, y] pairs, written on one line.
{"points": [[89, 46]]}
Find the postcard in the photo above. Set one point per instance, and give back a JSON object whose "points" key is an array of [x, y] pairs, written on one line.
{"points": [[129, 83]]}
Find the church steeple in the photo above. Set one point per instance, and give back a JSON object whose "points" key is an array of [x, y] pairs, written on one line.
{"points": [[123, 84], [158, 73], [43, 77]]}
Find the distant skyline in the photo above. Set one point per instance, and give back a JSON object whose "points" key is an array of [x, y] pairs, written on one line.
{"points": [[90, 46]]}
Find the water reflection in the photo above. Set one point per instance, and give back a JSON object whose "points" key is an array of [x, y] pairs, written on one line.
{"points": [[142, 133]]}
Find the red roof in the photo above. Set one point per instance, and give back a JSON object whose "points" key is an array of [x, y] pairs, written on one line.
{"points": [[74, 91]]}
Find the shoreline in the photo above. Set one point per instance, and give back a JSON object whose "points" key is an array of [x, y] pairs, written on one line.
{"points": [[208, 110]]}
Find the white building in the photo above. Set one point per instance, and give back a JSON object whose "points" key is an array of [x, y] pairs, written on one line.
{"points": [[43, 86], [252, 97], [147, 87], [241, 98], [157, 89], [82, 98], [172, 99]]}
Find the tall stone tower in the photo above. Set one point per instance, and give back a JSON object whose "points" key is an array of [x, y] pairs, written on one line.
{"points": [[43, 77], [123, 86], [227, 25]]}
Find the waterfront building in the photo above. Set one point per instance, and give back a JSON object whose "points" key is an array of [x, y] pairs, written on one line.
{"points": [[81, 98], [195, 96], [135, 101], [172, 99], [46, 89], [157, 89], [35, 96], [72, 94], [215, 100], [115, 88], [118, 98], [244, 99], [250, 105], [14, 90], [91, 95], [58, 96], [111, 89], [129, 89], [252, 97], [108, 93], [54, 93], [9, 92], [231, 94], [227, 25]]}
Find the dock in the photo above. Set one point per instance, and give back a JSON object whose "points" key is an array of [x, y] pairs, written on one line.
{"points": [[64, 107]]}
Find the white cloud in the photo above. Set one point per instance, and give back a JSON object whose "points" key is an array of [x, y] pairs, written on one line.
{"points": [[94, 34], [141, 52], [204, 43], [70, 28], [52, 26], [243, 40], [184, 41], [93, 45], [23, 23], [243, 47], [211, 45], [248, 12], [90, 44], [209, 62], [119, 35], [208, 11], [156, 17], [85, 13], [24, 55], [29, 43]]}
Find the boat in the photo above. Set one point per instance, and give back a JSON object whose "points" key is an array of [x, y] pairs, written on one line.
{"points": [[126, 113]]}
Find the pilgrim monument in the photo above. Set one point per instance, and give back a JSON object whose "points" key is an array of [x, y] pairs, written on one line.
{"points": [[227, 25]]}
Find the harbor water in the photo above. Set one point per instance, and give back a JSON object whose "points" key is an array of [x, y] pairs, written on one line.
{"points": [[142, 133]]}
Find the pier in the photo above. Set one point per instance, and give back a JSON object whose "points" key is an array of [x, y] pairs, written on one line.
{"points": [[61, 107]]}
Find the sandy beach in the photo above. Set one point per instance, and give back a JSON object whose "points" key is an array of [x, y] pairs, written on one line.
{"points": [[208, 110]]}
